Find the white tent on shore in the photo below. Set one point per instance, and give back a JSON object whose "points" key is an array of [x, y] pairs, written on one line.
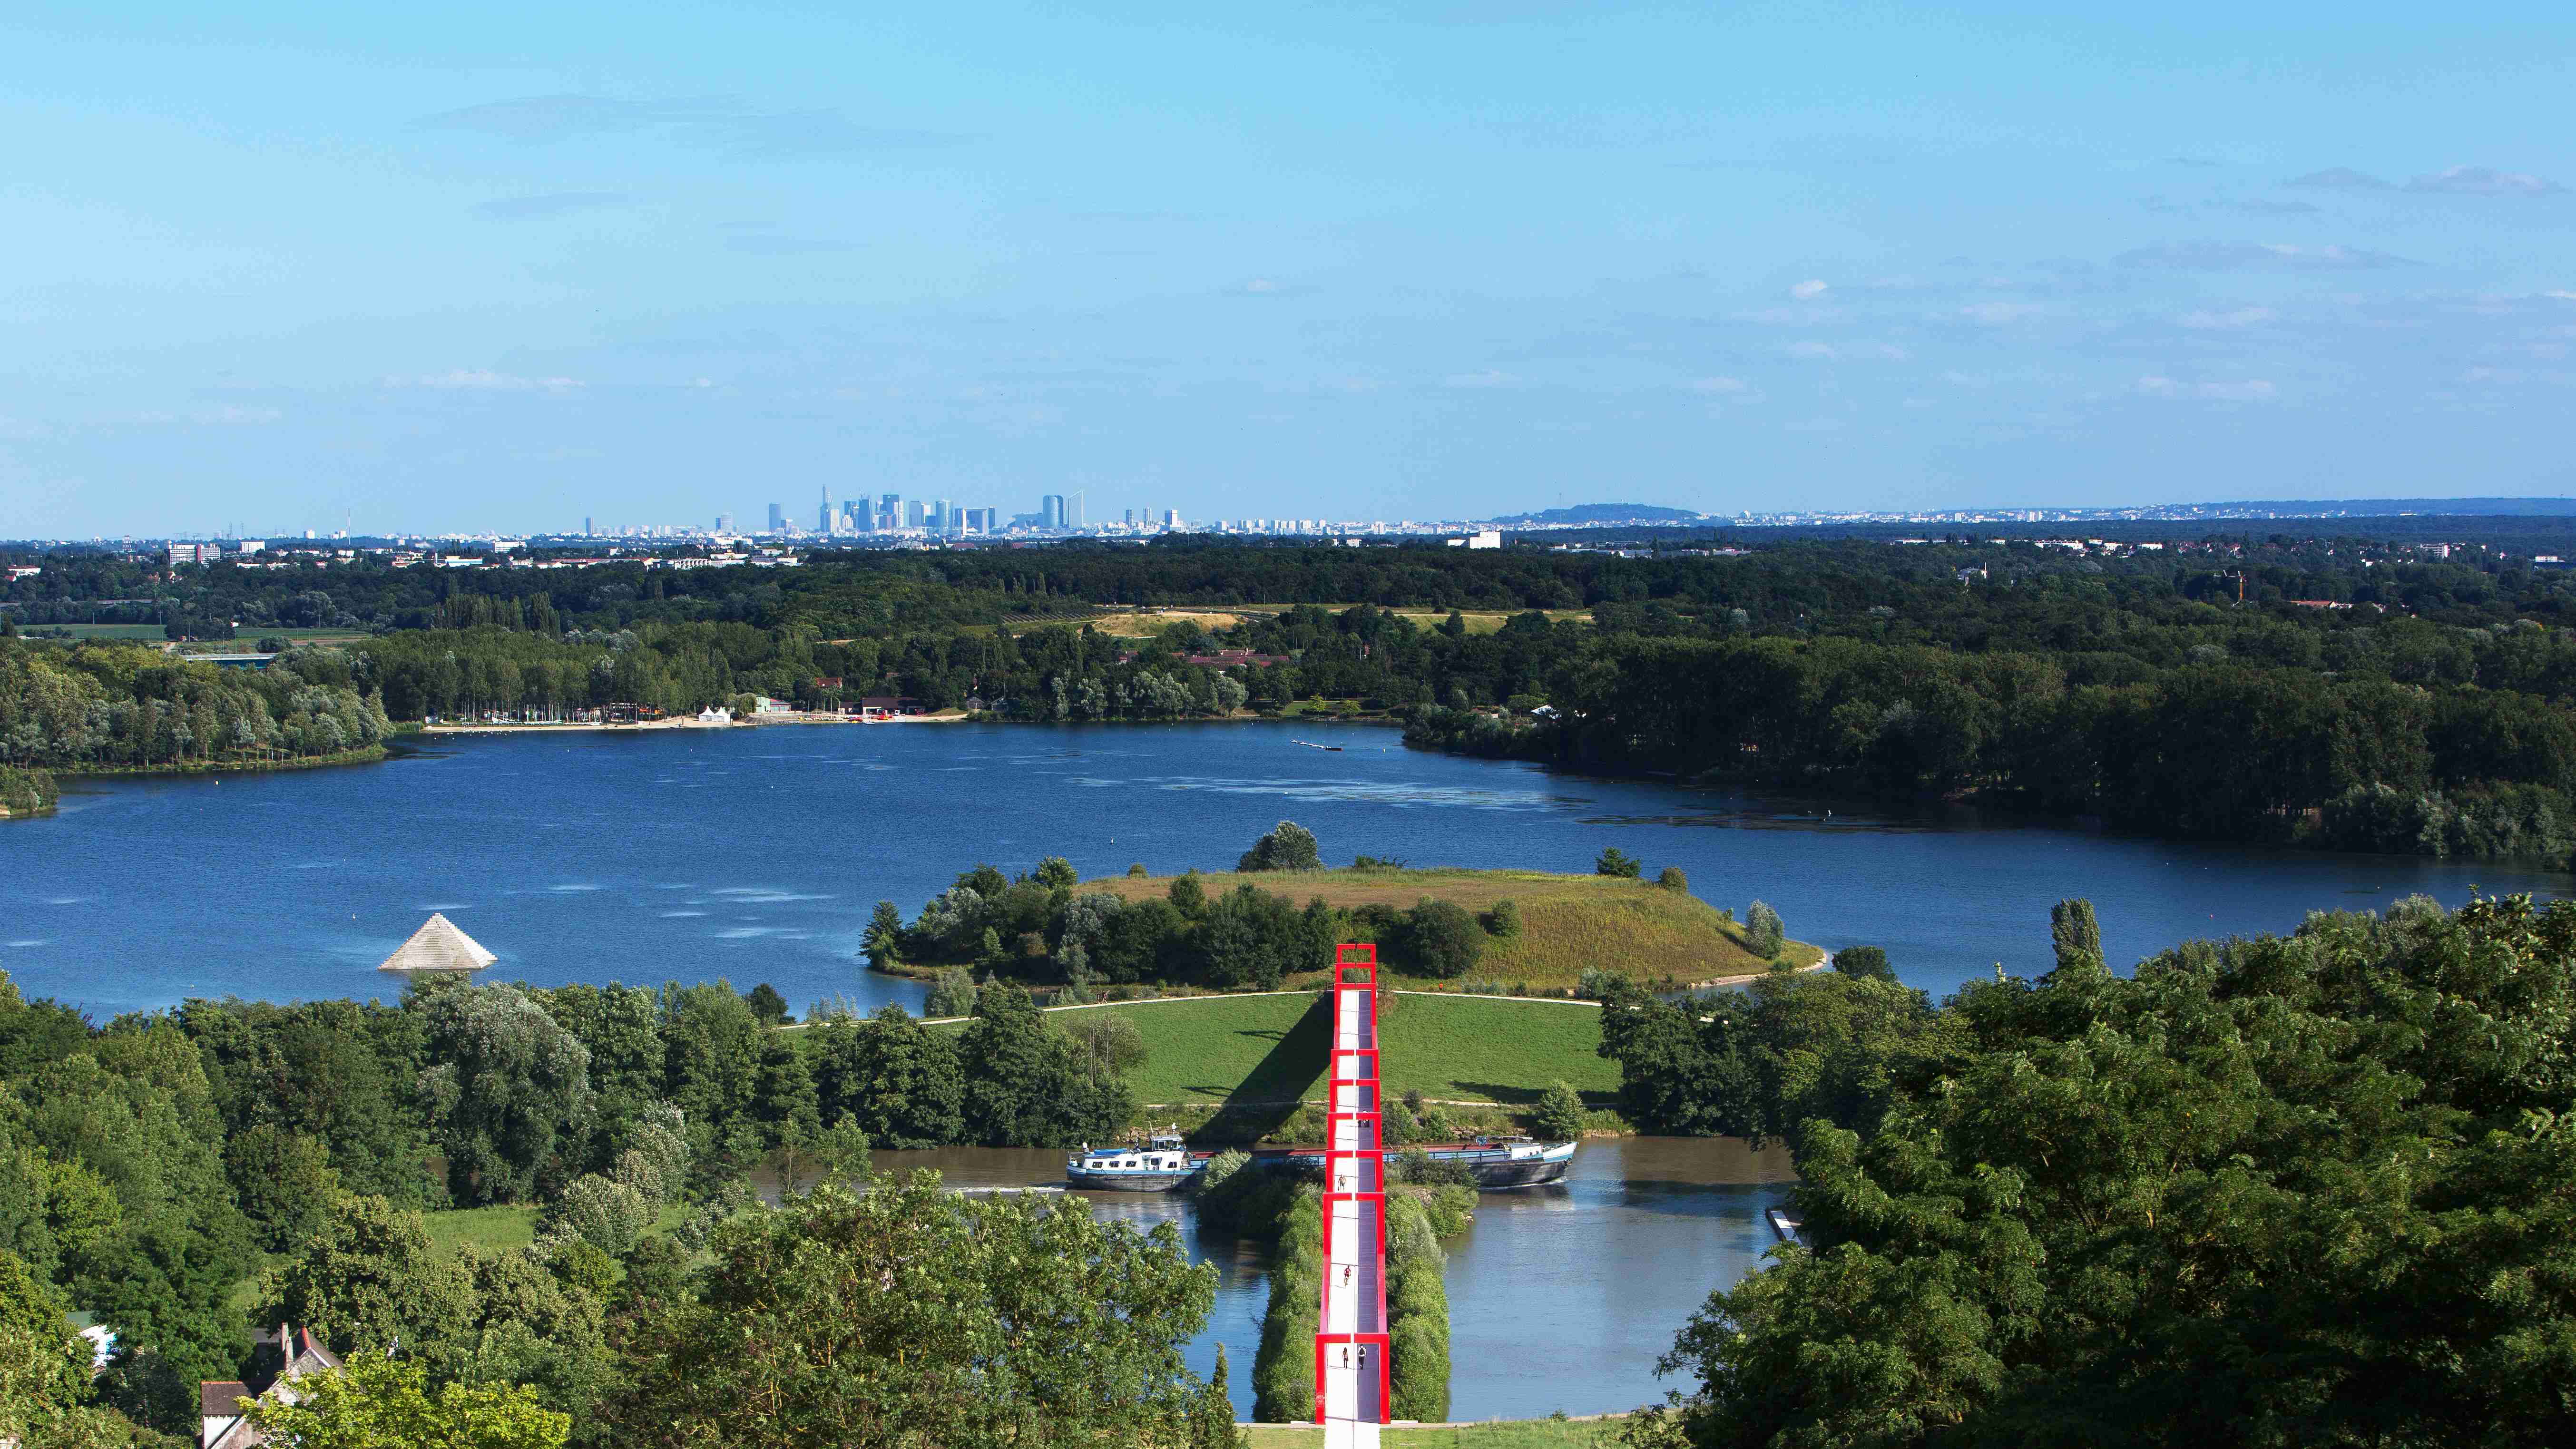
{"points": [[439, 946]]}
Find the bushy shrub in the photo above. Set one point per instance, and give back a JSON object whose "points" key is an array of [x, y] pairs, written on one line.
{"points": [[953, 994], [1283, 1373], [1864, 961], [1560, 1114], [1503, 921], [1288, 846], [1417, 1303], [1110, 1039], [1442, 938], [26, 792], [1617, 864], [604, 1212], [1672, 879], [1764, 934]]}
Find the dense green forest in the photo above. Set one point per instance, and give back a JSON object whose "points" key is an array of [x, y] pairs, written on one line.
{"points": [[2337, 692], [165, 1169], [2307, 1190], [99, 707]]}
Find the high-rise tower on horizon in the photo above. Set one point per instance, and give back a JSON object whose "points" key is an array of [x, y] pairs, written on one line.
{"points": [[823, 521]]}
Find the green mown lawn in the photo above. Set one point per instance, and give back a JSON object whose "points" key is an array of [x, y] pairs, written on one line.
{"points": [[1510, 1434], [492, 1229], [1451, 1048]]}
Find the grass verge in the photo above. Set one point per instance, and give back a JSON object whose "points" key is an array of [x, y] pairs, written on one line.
{"points": [[1500, 1434]]}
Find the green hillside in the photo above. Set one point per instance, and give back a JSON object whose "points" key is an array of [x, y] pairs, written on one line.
{"points": [[1570, 923]]}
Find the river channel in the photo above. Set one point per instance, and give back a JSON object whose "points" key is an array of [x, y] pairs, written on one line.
{"points": [[1559, 1297]]}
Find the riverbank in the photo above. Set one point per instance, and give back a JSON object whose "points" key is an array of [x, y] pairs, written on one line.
{"points": [[371, 754], [26, 792], [686, 722], [1588, 1431]]}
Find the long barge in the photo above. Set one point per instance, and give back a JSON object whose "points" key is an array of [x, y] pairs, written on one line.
{"points": [[1165, 1162]]}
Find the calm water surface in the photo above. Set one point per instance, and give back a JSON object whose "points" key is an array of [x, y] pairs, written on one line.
{"points": [[1559, 1298], [756, 855]]}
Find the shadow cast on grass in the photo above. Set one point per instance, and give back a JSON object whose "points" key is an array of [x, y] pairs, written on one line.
{"points": [[1272, 1091]]}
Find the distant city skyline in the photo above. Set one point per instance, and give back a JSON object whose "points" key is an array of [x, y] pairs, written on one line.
{"points": [[983, 524], [293, 266]]}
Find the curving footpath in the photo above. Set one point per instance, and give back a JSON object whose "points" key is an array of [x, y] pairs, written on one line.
{"points": [[1351, 1368]]}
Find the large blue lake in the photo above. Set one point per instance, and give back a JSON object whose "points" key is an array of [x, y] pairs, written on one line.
{"points": [[757, 854]]}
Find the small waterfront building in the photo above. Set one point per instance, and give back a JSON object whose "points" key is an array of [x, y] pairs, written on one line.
{"points": [[275, 1366], [438, 948]]}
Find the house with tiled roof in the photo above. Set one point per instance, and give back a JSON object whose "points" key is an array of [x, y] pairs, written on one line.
{"points": [[275, 1366]]}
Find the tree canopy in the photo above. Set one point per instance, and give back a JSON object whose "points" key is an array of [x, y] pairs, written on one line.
{"points": [[2314, 1189], [900, 1315]]}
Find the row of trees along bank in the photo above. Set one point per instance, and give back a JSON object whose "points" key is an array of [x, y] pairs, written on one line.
{"points": [[116, 707], [2420, 705], [27, 792], [1041, 926], [1425, 1202]]}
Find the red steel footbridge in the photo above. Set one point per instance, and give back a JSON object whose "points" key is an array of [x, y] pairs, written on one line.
{"points": [[1351, 1368]]}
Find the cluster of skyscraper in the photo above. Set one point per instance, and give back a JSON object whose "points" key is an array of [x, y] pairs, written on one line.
{"points": [[892, 513]]}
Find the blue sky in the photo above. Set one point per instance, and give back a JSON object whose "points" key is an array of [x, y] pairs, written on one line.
{"points": [[483, 265]]}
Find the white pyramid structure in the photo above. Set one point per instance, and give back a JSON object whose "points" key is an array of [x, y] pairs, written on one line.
{"points": [[439, 946]]}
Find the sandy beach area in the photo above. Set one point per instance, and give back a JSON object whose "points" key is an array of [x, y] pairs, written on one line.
{"points": [[686, 724]]}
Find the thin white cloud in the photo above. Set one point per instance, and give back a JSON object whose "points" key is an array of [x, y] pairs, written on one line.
{"points": [[557, 203], [227, 416], [1810, 289], [2002, 314], [2508, 376], [2238, 256], [2484, 181], [1720, 385], [2249, 390], [2339, 178], [1808, 316], [1489, 378], [1849, 351], [2240, 317], [476, 380]]}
